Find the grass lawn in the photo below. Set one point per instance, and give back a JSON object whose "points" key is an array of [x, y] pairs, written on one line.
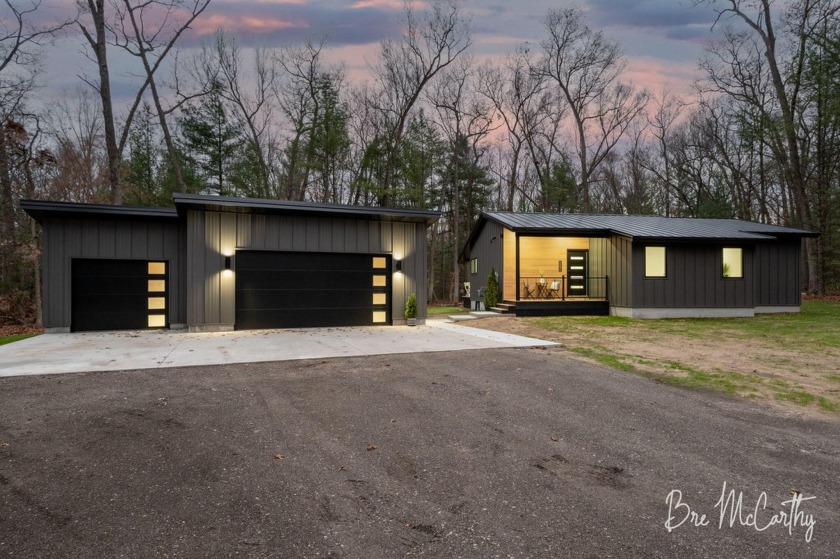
{"points": [[437, 311], [792, 359], [14, 338]]}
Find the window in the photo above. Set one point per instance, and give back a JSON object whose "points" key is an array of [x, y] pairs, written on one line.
{"points": [[655, 262], [733, 262], [379, 262], [380, 281], [474, 266]]}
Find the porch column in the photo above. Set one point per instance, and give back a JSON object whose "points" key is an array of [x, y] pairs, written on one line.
{"points": [[517, 266]]}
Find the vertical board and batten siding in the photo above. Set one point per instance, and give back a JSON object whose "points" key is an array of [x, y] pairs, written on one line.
{"points": [[694, 278], [611, 257], [489, 254], [777, 273], [121, 239], [224, 232]]}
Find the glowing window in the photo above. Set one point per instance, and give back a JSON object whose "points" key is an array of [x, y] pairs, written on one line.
{"points": [[379, 262], [474, 266], [733, 262], [655, 262], [157, 303], [157, 268], [157, 286], [157, 320], [379, 317], [380, 299], [380, 281]]}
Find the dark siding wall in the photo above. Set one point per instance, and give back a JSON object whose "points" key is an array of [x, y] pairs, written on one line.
{"points": [[219, 233], [66, 239], [615, 259], [694, 279], [489, 254], [777, 273]]}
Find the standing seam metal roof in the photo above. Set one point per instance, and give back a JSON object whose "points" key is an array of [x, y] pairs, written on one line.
{"points": [[644, 226]]}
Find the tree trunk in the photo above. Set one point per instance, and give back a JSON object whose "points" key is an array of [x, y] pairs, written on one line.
{"points": [[99, 46]]}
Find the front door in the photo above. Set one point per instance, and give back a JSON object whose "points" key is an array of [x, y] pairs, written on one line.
{"points": [[577, 264]]}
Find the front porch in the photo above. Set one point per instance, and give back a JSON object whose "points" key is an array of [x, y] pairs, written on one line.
{"points": [[554, 276]]}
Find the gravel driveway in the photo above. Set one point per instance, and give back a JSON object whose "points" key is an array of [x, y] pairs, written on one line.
{"points": [[486, 453]]}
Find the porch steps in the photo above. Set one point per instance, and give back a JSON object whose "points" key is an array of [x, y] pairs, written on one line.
{"points": [[504, 308]]}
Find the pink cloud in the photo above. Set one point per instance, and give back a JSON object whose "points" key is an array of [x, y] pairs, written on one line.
{"points": [[242, 24]]}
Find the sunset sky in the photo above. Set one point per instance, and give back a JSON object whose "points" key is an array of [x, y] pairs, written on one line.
{"points": [[662, 39]]}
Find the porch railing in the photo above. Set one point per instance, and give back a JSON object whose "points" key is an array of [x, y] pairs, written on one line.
{"points": [[564, 287]]}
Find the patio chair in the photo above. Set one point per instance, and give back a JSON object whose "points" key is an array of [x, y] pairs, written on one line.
{"points": [[553, 290], [529, 290]]}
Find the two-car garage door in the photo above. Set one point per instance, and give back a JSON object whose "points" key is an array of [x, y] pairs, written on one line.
{"points": [[299, 289]]}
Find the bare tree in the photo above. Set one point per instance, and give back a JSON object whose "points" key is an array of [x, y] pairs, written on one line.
{"points": [[740, 63], [251, 96], [147, 30], [466, 119], [586, 68], [429, 43]]}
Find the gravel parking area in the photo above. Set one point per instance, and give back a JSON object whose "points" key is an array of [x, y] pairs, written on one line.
{"points": [[485, 453]]}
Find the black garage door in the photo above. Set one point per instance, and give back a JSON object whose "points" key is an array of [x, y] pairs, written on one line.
{"points": [[297, 289], [118, 294]]}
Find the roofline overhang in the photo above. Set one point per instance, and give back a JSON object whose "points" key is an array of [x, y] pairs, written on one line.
{"points": [[184, 202], [42, 209]]}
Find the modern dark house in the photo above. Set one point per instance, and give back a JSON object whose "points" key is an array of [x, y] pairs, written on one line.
{"points": [[216, 263], [636, 266]]}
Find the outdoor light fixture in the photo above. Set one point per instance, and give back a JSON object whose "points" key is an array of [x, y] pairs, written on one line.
{"points": [[399, 265], [227, 262]]}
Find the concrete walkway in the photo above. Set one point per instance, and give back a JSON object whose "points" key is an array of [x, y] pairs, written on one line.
{"points": [[109, 351]]}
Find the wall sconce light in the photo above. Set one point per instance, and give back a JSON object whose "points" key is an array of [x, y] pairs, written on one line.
{"points": [[227, 262], [399, 265]]}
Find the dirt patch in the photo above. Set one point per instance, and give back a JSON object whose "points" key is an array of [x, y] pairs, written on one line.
{"points": [[797, 380]]}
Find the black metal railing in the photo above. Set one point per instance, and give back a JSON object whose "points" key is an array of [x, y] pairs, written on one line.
{"points": [[564, 287]]}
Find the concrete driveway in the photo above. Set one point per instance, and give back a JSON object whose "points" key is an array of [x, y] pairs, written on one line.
{"points": [[111, 351]]}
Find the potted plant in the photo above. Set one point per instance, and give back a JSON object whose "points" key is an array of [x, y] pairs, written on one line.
{"points": [[411, 310], [542, 277]]}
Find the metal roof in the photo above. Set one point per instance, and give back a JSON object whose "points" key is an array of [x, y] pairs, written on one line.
{"points": [[38, 209], [644, 226], [250, 205]]}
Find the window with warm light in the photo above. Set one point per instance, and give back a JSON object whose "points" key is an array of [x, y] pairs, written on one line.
{"points": [[474, 266], [655, 266], [733, 262], [157, 268], [379, 262], [380, 281], [380, 317], [380, 299]]}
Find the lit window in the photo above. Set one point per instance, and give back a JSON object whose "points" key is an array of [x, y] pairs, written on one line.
{"points": [[157, 286], [157, 303], [157, 268], [380, 299], [380, 281], [379, 316], [474, 266], [654, 262], [157, 321], [733, 262], [379, 262]]}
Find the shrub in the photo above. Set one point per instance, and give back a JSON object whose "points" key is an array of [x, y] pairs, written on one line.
{"points": [[411, 307], [491, 293]]}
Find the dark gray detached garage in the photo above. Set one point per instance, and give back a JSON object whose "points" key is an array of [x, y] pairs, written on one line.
{"points": [[636, 266], [218, 263]]}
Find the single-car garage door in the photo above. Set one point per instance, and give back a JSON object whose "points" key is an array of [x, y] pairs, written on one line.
{"points": [[300, 289], [118, 294]]}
